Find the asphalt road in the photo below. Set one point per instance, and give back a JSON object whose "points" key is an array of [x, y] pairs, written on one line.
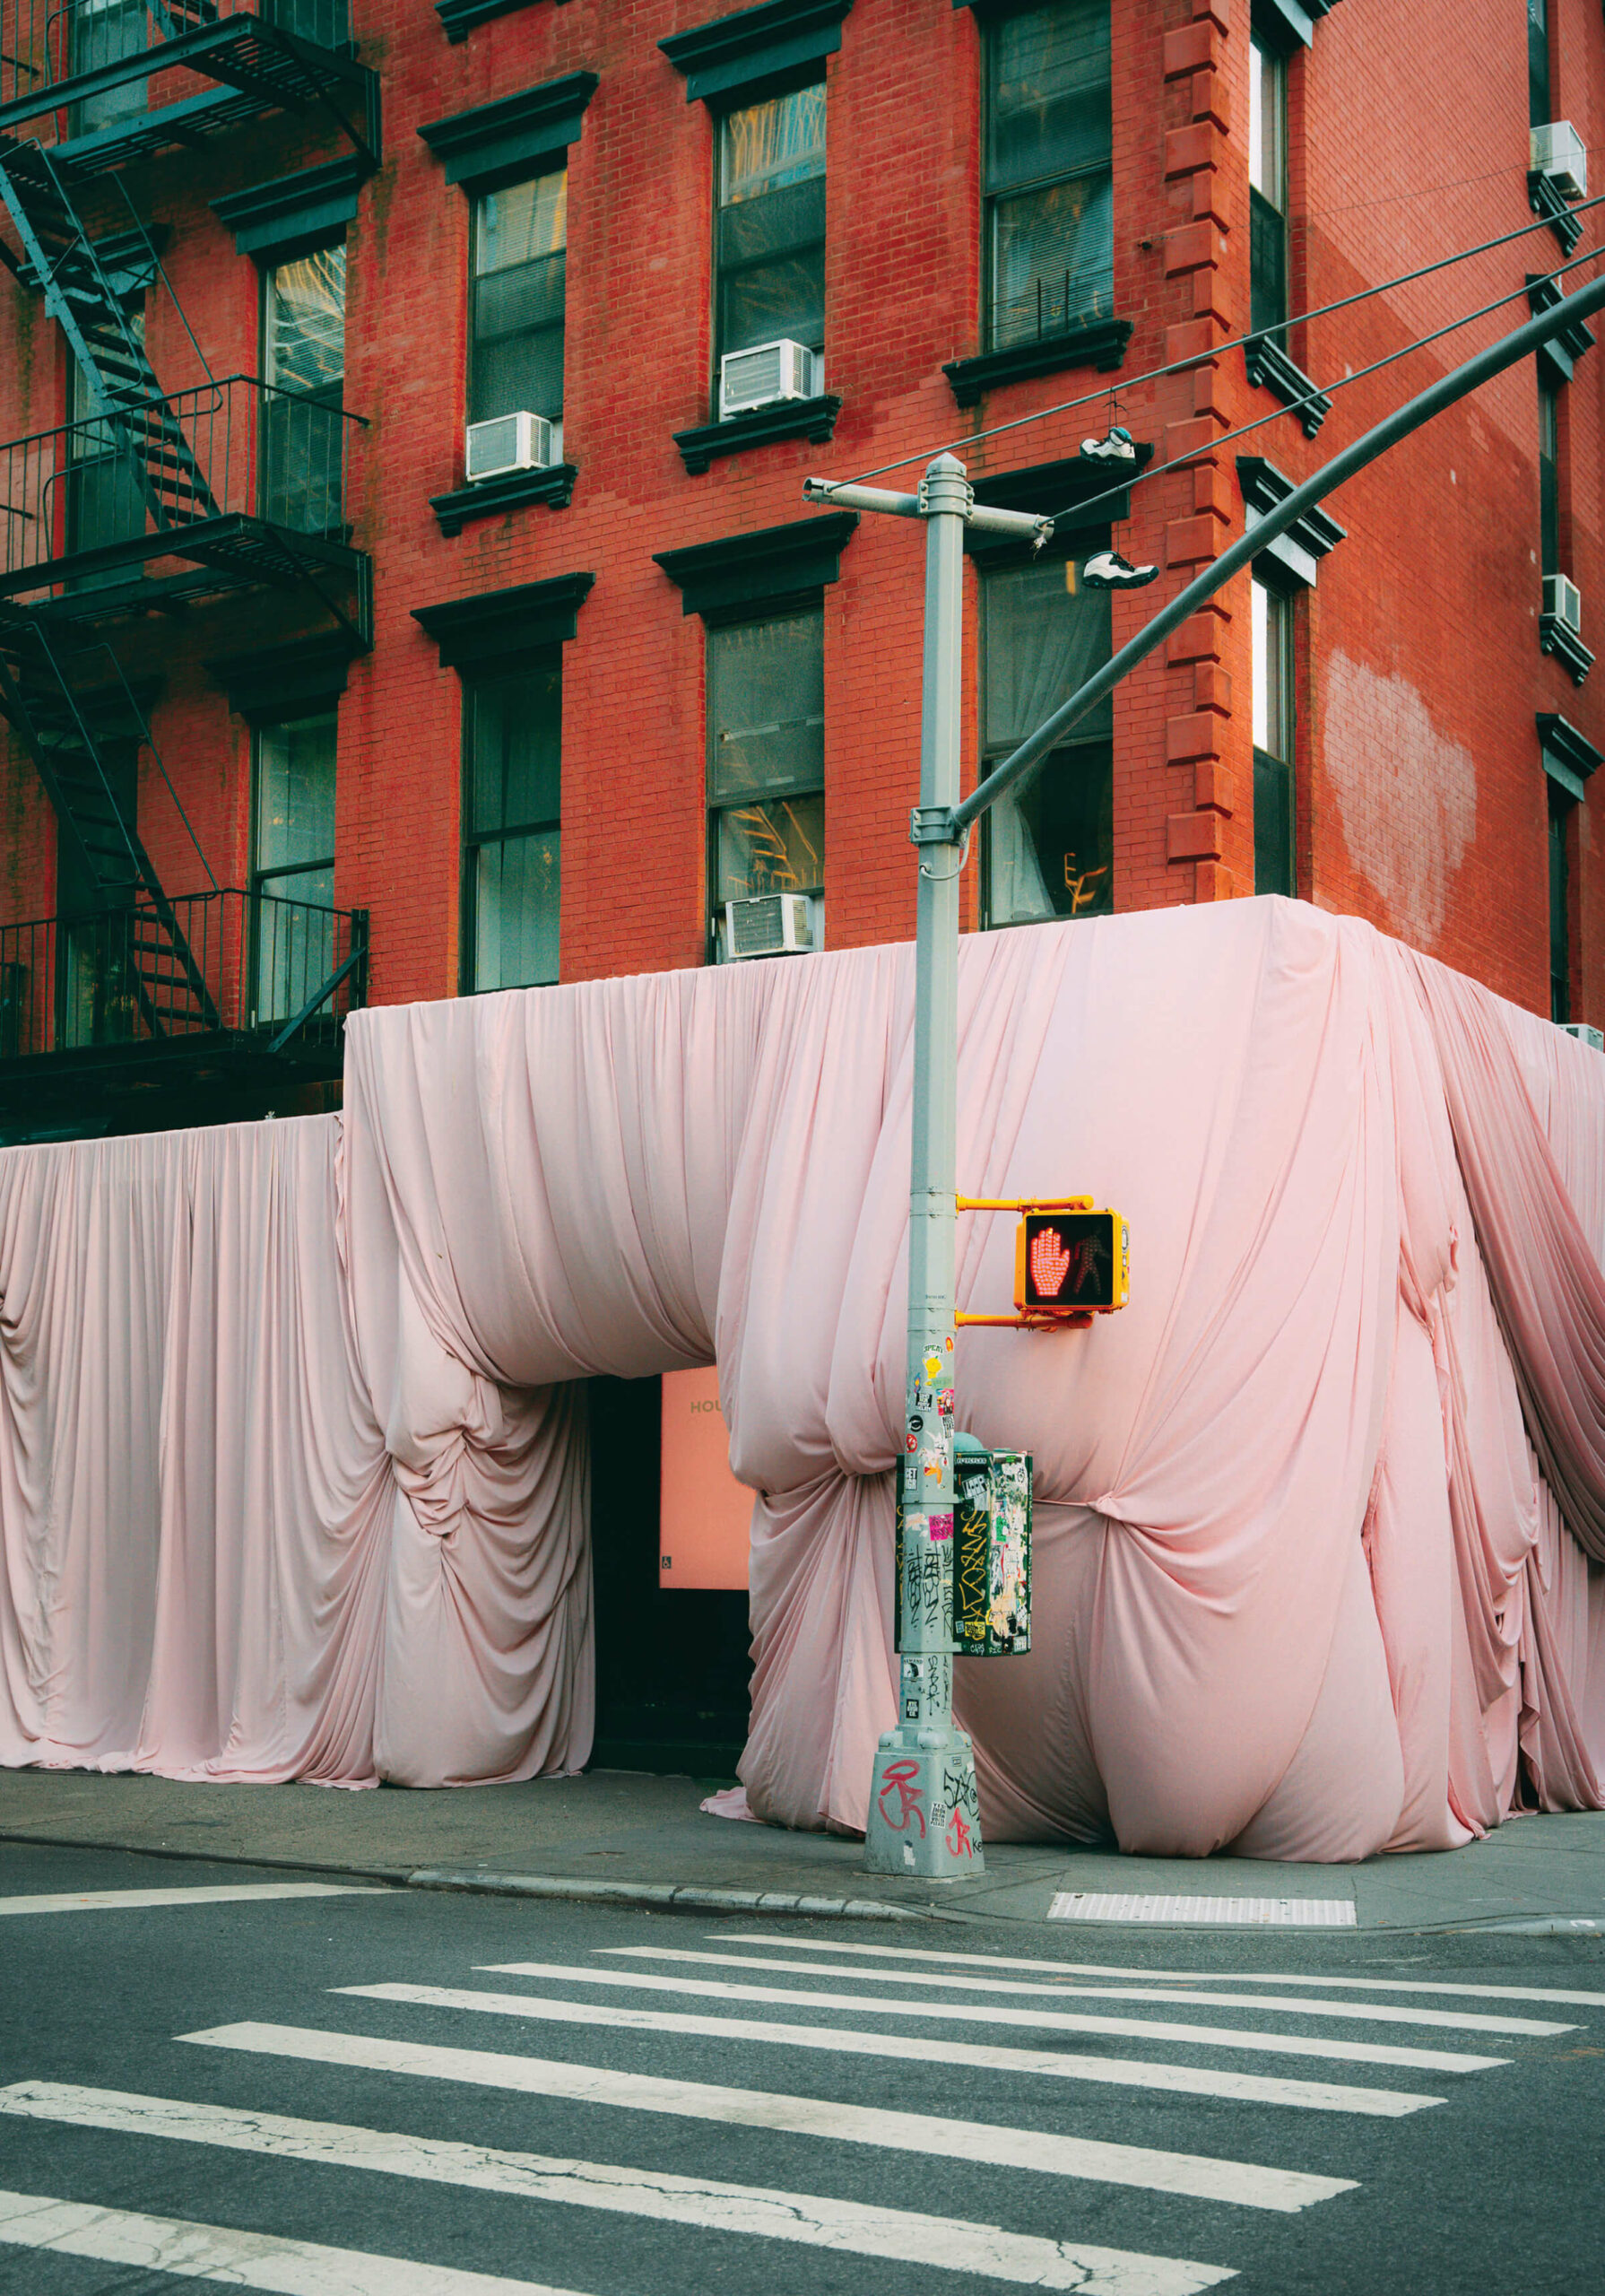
{"points": [[361, 2093]]}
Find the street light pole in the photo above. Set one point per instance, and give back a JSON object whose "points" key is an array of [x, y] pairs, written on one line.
{"points": [[923, 1817]]}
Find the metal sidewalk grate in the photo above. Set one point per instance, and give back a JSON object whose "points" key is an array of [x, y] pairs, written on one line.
{"points": [[1281, 1913]]}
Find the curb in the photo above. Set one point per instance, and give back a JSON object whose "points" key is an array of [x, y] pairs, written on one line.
{"points": [[516, 1885], [663, 1895], [395, 1875]]}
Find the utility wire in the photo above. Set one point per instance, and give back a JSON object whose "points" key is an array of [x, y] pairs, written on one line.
{"points": [[1158, 470], [1185, 366]]}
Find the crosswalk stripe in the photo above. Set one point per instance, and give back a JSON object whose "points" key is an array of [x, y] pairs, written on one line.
{"points": [[1200, 2177], [1054, 2021], [213, 2252], [1454, 2020], [953, 2243], [1166, 1977], [1120, 2071], [205, 1893]]}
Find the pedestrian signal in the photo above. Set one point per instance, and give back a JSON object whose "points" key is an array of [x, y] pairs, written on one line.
{"points": [[1070, 1260]]}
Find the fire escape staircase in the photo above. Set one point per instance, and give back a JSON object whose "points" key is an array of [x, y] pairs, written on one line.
{"points": [[192, 478], [79, 295], [56, 721]]}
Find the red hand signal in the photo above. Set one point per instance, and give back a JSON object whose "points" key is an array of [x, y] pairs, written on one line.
{"points": [[1050, 1263]]}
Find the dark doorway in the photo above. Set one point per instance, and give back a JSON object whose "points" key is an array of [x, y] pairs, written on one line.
{"points": [[672, 1663]]}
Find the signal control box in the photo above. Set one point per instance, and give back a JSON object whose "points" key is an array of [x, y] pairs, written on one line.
{"points": [[992, 1551]]}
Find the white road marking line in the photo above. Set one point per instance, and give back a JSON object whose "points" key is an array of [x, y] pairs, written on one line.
{"points": [[1120, 2071], [239, 2259], [952, 2243], [1243, 2183], [1276, 1913], [1454, 2020], [205, 1893], [976, 2013], [1165, 1977]]}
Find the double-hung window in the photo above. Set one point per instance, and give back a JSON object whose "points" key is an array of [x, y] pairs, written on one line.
{"points": [[1538, 62], [516, 321], [292, 871], [769, 256], [512, 815], [1561, 807], [100, 32], [1049, 195], [96, 972], [1273, 783], [1048, 843], [766, 767], [1549, 475], [1267, 186], [303, 364]]}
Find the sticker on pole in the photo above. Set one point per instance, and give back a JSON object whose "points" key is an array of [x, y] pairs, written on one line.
{"points": [[1071, 1262]]}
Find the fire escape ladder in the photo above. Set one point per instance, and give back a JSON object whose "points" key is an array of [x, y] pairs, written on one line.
{"points": [[79, 295], [49, 714]]}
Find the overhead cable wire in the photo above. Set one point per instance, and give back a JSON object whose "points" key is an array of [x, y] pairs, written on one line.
{"points": [[1390, 358], [1235, 342]]}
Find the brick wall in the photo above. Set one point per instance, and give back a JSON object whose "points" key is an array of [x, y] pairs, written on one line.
{"points": [[1422, 801]]}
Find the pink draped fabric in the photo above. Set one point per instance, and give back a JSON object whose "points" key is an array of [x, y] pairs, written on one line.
{"points": [[1311, 1578], [193, 1492]]}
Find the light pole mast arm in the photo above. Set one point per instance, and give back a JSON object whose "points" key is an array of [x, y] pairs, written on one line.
{"points": [[1507, 353]]}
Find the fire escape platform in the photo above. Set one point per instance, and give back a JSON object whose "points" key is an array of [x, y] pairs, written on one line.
{"points": [[230, 552], [41, 1089], [254, 67]]}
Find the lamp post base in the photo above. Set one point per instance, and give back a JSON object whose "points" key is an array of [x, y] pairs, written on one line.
{"points": [[924, 1816]]}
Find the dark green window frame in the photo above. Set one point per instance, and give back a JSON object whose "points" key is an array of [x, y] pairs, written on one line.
{"points": [[1549, 475], [1275, 734], [1048, 179], [1047, 845], [517, 315], [504, 823], [1268, 302], [766, 810], [769, 245], [292, 893]]}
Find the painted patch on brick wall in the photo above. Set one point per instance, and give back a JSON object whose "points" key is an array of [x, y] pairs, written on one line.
{"points": [[1407, 794]]}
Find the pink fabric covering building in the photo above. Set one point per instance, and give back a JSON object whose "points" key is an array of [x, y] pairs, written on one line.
{"points": [[293, 1458]]}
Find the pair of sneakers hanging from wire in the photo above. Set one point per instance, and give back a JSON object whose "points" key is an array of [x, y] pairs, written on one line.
{"points": [[1106, 570]]}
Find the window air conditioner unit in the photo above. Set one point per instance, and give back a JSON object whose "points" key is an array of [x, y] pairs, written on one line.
{"points": [[1559, 152], [1564, 600], [510, 442], [767, 372], [771, 924], [1583, 1033]]}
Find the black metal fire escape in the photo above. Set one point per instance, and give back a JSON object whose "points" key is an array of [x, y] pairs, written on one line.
{"points": [[190, 470], [35, 690]]}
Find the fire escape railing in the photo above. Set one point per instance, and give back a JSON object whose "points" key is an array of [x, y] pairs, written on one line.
{"points": [[254, 967], [115, 488]]}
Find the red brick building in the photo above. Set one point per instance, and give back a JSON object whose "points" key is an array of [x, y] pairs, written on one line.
{"points": [[293, 695]]}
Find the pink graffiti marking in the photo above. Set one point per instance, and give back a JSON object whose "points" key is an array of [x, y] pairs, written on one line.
{"points": [[960, 1843], [897, 1779]]}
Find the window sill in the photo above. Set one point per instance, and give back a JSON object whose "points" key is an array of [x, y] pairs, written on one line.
{"points": [[458, 18], [1544, 200], [1558, 637], [1101, 343], [1264, 363], [491, 497], [814, 419]]}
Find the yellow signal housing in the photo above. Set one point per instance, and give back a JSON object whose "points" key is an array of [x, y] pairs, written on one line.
{"points": [[1071, 1260]]}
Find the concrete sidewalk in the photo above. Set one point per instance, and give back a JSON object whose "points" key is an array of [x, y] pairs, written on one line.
{"points": [[635, 1831]]}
